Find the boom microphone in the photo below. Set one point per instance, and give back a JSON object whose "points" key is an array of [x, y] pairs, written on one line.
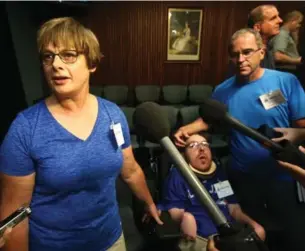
{"points": [[151, 121], [213, 111]]}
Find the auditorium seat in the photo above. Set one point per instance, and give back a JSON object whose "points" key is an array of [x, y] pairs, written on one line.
{"points": [[147, 93], [188, 114], [174, 94], [116, 93], [128, 112], [96, 90], [198, 93]]}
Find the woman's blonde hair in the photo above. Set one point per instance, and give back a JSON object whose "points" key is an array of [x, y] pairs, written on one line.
{"points": [[70, 34]]}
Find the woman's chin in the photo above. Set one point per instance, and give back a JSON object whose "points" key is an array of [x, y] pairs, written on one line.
{"points": [[62, 89]]}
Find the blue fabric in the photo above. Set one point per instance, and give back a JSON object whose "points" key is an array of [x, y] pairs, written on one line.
{"points": [[74, 205], [244, 104], [178, 194]]}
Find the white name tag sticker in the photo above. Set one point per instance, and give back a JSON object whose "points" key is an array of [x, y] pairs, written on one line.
{"points": [[223, 189], [119, 137], [272, 99]]}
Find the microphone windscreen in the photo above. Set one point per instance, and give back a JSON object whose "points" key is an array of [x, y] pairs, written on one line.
{"points": [[151, 121], [212, 110]]}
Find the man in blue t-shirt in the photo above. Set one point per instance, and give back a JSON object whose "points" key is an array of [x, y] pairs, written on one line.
{"points": [[184, 207], [257, 96], [266, 20]]}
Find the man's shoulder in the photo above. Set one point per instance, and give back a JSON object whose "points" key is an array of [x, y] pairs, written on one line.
{"points": [[279, 74], [225, 85], [283, 80], [284, 32]]}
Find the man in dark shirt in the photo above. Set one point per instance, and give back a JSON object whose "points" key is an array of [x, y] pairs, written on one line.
{"points": [[266, 20]]}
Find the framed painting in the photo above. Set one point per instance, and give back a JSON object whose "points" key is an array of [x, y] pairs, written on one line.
{"points": [[184, 34]]}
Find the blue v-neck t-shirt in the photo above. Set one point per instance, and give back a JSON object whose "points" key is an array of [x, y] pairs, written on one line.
{"points": [[74, 206]]}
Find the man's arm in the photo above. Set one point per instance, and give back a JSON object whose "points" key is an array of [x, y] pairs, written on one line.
{"points": [[133, 175], [237, 213], [185, 131], [299, 123], [211, 245], [187, 222], [176, 214], [282, 58], [280, 43], [297, 172]]}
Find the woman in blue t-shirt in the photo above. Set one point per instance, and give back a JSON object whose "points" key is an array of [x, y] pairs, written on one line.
{"points": [[63, 155]]}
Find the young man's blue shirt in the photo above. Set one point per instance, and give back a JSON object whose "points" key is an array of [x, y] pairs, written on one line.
{"points": [[178, 194]]}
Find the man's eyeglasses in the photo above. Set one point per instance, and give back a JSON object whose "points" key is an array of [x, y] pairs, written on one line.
{"points": [[245, 53], [66, 56], [197, 145]]}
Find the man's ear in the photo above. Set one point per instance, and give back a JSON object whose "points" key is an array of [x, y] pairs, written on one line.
{"points": [[92, 69], [257, 27], [262, 53]]}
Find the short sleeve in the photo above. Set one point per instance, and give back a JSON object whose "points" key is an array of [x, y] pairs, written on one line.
{"points": [[296, 99], [15, 157], [215, 94], [125, 129], [174, 192], [220, 94], [280, 42]]}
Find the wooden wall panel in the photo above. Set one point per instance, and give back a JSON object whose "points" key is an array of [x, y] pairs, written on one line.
{"points": [[133, 38]]}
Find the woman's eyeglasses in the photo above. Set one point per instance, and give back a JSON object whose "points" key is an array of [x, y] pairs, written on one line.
{"points": [[66, 56]]}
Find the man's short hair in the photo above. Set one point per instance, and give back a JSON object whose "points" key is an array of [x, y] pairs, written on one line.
{"points": [[293, 15], [241, 32], [257, 14], [206, 135]]}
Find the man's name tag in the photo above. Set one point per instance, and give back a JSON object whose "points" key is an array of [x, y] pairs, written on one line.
{"points": [[223, 189], [119, 137], [272, 99]]}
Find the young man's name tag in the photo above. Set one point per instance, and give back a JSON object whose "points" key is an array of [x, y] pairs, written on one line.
{"points": [[118, 134], [272, 99], [223, 189]]}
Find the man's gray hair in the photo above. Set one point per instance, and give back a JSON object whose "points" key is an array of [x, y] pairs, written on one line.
{"points": [[244, 31]]}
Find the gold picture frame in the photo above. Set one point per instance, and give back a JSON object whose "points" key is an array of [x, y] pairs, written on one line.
{"points": [[184, 34]]}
